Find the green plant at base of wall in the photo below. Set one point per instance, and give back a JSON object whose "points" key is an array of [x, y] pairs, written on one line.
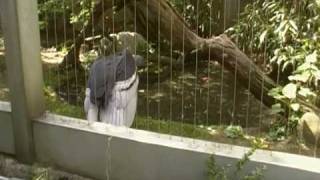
{"points": [[216, 172]]}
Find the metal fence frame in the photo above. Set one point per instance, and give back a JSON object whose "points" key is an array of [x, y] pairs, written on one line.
{"points": [[98, 150]]}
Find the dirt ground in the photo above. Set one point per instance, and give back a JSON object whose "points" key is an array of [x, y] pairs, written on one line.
{"points": [[11, 168]]}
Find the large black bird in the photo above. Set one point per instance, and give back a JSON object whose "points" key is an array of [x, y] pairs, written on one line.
{"points": [[111, 94]]}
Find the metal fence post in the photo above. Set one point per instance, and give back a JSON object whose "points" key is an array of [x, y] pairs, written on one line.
{"points": [[22, 52]]}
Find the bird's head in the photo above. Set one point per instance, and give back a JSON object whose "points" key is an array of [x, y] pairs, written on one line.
{"points": [[139, 60]]}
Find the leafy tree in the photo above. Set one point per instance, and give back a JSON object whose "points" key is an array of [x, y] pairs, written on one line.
{"points": [[285, 34]]}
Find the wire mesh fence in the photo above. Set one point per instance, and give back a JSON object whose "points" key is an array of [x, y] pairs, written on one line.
{"points": [[184, 89], [4, 90]]}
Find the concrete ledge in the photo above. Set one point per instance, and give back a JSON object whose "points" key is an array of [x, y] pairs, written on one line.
{"points": [[6, 129], [101, 151]]}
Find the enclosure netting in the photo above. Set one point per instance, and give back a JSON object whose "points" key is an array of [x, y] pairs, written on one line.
{"points": [[180, 92]]}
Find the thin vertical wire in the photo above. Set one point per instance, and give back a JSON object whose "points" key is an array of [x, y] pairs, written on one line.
{"points": [[92, 34], [209, 69], [249, 82], [103, 23], [148, 109], [171, 76], [300, 129], [47, 44], [236, 71], [65, 46], [113, 25], [315, 154], [135, 26], [196, 74], [56, 46], [126, 47], [278, 65], [104, 50], [135, 36], [83, 51], [262, 88], [222, 67], [92, 19], [183, 68], [113, 48], [47, 28], [74, 52], [159, 56]]}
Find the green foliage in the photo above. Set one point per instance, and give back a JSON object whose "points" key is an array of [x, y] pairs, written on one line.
{"points": [[40, 173], [74, 12], [277, 132], [216, 172], [245, 159], [233, 131], [286, 35], [198, 15], [61, 107]]}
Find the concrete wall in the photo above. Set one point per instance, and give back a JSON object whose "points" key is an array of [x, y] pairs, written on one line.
{"points": [[101, 151], [104, 152], [6, 130]]}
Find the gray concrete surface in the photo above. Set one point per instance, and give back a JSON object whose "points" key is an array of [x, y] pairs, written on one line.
{"points": [[6, 130], [22, 41], [104, 152]]}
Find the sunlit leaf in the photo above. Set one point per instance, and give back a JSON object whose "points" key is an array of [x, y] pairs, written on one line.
{"points": [[305, 92], [263, 37], [294, 25], [295, 106], [312, 58], [304, 66], [290, 91], [304, 77]]}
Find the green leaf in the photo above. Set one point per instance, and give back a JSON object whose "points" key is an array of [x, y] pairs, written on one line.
{"points": [[275, 91], [304, 77], [263, 37], [305, 92], [290, 91], [312, 58], [295, 106], [233, 131], [305, 66], [276, 109], [285, 65], [294, 25]]}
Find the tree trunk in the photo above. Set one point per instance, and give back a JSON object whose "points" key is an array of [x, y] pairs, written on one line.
{"points": [[219, 48]]}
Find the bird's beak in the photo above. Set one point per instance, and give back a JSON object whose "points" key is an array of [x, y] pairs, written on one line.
{"points": [[139, 60]]}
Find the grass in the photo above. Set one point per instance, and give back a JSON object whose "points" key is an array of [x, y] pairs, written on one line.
{"points": [[211, 133], [171, 127], [59, 106]]}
